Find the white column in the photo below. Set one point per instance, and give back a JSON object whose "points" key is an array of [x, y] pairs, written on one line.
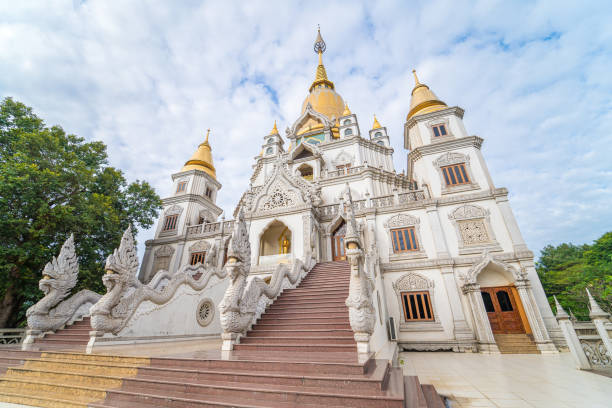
{"points": [[540, 334], [511, 224], [438, 234], [484, 334], [462, 330]]}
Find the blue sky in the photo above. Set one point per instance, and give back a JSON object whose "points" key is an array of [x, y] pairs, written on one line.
{"points": [[148, 77]]}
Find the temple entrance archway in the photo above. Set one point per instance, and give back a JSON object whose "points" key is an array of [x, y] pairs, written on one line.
{"points": [[338, 249], [275, 243]]}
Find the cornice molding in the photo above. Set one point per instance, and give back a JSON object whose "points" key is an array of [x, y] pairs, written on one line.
{"points": [[454, 110], [195, 172], [442, 147], [192, 198]]}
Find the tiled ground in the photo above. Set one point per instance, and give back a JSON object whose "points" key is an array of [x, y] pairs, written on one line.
{"points": [[512, 381]]}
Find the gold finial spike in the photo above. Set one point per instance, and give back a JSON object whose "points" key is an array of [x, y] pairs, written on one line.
{"points": [[376, 124], [274, 129], [416, 78], [207, 134], [347, 111]]}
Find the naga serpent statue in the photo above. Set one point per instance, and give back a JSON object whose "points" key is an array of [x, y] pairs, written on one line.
{"points": [[52, 312]]}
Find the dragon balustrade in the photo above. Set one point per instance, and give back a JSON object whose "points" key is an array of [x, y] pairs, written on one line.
{"points": [[56, 310], [125, 293]]}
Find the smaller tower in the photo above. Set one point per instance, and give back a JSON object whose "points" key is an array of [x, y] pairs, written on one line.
{"points": [[378, 134], [348, 123], [273, 143]]}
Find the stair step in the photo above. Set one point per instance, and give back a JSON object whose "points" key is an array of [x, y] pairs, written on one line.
{"points": [[319, 347], [349, 340], [309, 326], [300, 333]]}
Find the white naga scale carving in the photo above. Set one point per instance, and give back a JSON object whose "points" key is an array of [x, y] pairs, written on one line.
{"points": [[125, 292], [359, 301], [244, 302], [60, 275]]}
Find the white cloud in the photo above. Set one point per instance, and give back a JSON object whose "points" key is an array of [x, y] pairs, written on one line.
{"points": [[148, 78]]}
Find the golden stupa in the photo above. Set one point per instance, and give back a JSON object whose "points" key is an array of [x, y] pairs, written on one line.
{"points": [[322, 95], [423, 99], [202, 159]]}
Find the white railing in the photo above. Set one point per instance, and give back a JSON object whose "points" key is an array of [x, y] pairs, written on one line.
{"points": [[209, 228], [12, 336], [331, 210]]}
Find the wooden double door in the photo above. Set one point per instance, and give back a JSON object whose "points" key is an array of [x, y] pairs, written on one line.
{"points": [[502, 309], [338, 249]]}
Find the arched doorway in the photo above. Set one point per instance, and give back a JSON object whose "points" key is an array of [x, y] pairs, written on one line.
{"points": [[338, 249], [501, 301], [502, 310]]}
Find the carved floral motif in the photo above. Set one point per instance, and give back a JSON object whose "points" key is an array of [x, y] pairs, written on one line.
{"points": [[473, 232]]}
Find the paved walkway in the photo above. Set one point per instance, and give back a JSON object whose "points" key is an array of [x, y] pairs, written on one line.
{"points": [[509, 380]]}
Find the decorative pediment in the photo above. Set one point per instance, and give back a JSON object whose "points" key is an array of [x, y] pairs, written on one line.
{"points": [[174, 210], [487, 261], [412, 281], [401, 220], [450, 158], [164, 250], [468, 212], [284, 190], [199, 246], [309, 113], [304, 150]]}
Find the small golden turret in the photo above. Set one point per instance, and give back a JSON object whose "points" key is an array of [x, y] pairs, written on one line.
{"points": [[347, 111], [274, 130], [376, 124], [423, 99], [202, 159]]}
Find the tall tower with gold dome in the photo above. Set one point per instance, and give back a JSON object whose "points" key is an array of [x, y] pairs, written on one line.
{"points": [[188, 213]]}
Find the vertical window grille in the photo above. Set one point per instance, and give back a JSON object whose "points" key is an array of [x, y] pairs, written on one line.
{"points": [[181, 186], [417, 306], [208, 192], [197, 258], [404, 239], [439, 130], [455, 174], [170, 222]]}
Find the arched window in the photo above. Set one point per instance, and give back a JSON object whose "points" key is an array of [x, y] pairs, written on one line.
{"points": [[347, 121], [378, 134], [306, 171], [269, 150], [380, 142], [348, 132]]}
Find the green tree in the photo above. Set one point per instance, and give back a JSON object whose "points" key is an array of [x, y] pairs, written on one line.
{"points": [[567, 270], [53, 184]]}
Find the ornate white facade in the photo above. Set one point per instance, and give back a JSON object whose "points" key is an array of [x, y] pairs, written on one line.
{"points": [[430, 241]]}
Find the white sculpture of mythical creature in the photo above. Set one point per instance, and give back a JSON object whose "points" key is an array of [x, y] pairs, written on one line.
{"points": [[359, 301], [125, 292], [52, 312], [245, 300]]}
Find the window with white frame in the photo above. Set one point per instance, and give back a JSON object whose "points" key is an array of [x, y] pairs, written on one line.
{"points": [[404, 237], [455, 172]]}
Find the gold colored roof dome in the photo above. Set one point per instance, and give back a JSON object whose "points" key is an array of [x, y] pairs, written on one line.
{"points": [[323, 96], [423, 99], [202, 159]]}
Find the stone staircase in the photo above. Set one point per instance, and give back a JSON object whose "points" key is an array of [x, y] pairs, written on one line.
{"points": [[301, 353], [73, 337], [516, 344]]}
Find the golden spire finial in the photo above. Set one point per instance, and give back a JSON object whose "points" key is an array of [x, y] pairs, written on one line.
{"points": [[321, 76], [274, 130], [347, 111], [376, 124], [207, 134], [416, 78]]}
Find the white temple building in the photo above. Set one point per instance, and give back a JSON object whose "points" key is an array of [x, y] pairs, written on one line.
{"points": [[449, 267]]}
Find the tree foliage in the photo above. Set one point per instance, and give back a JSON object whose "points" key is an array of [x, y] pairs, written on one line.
{"points": [[567, 270], [53, 184]]}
